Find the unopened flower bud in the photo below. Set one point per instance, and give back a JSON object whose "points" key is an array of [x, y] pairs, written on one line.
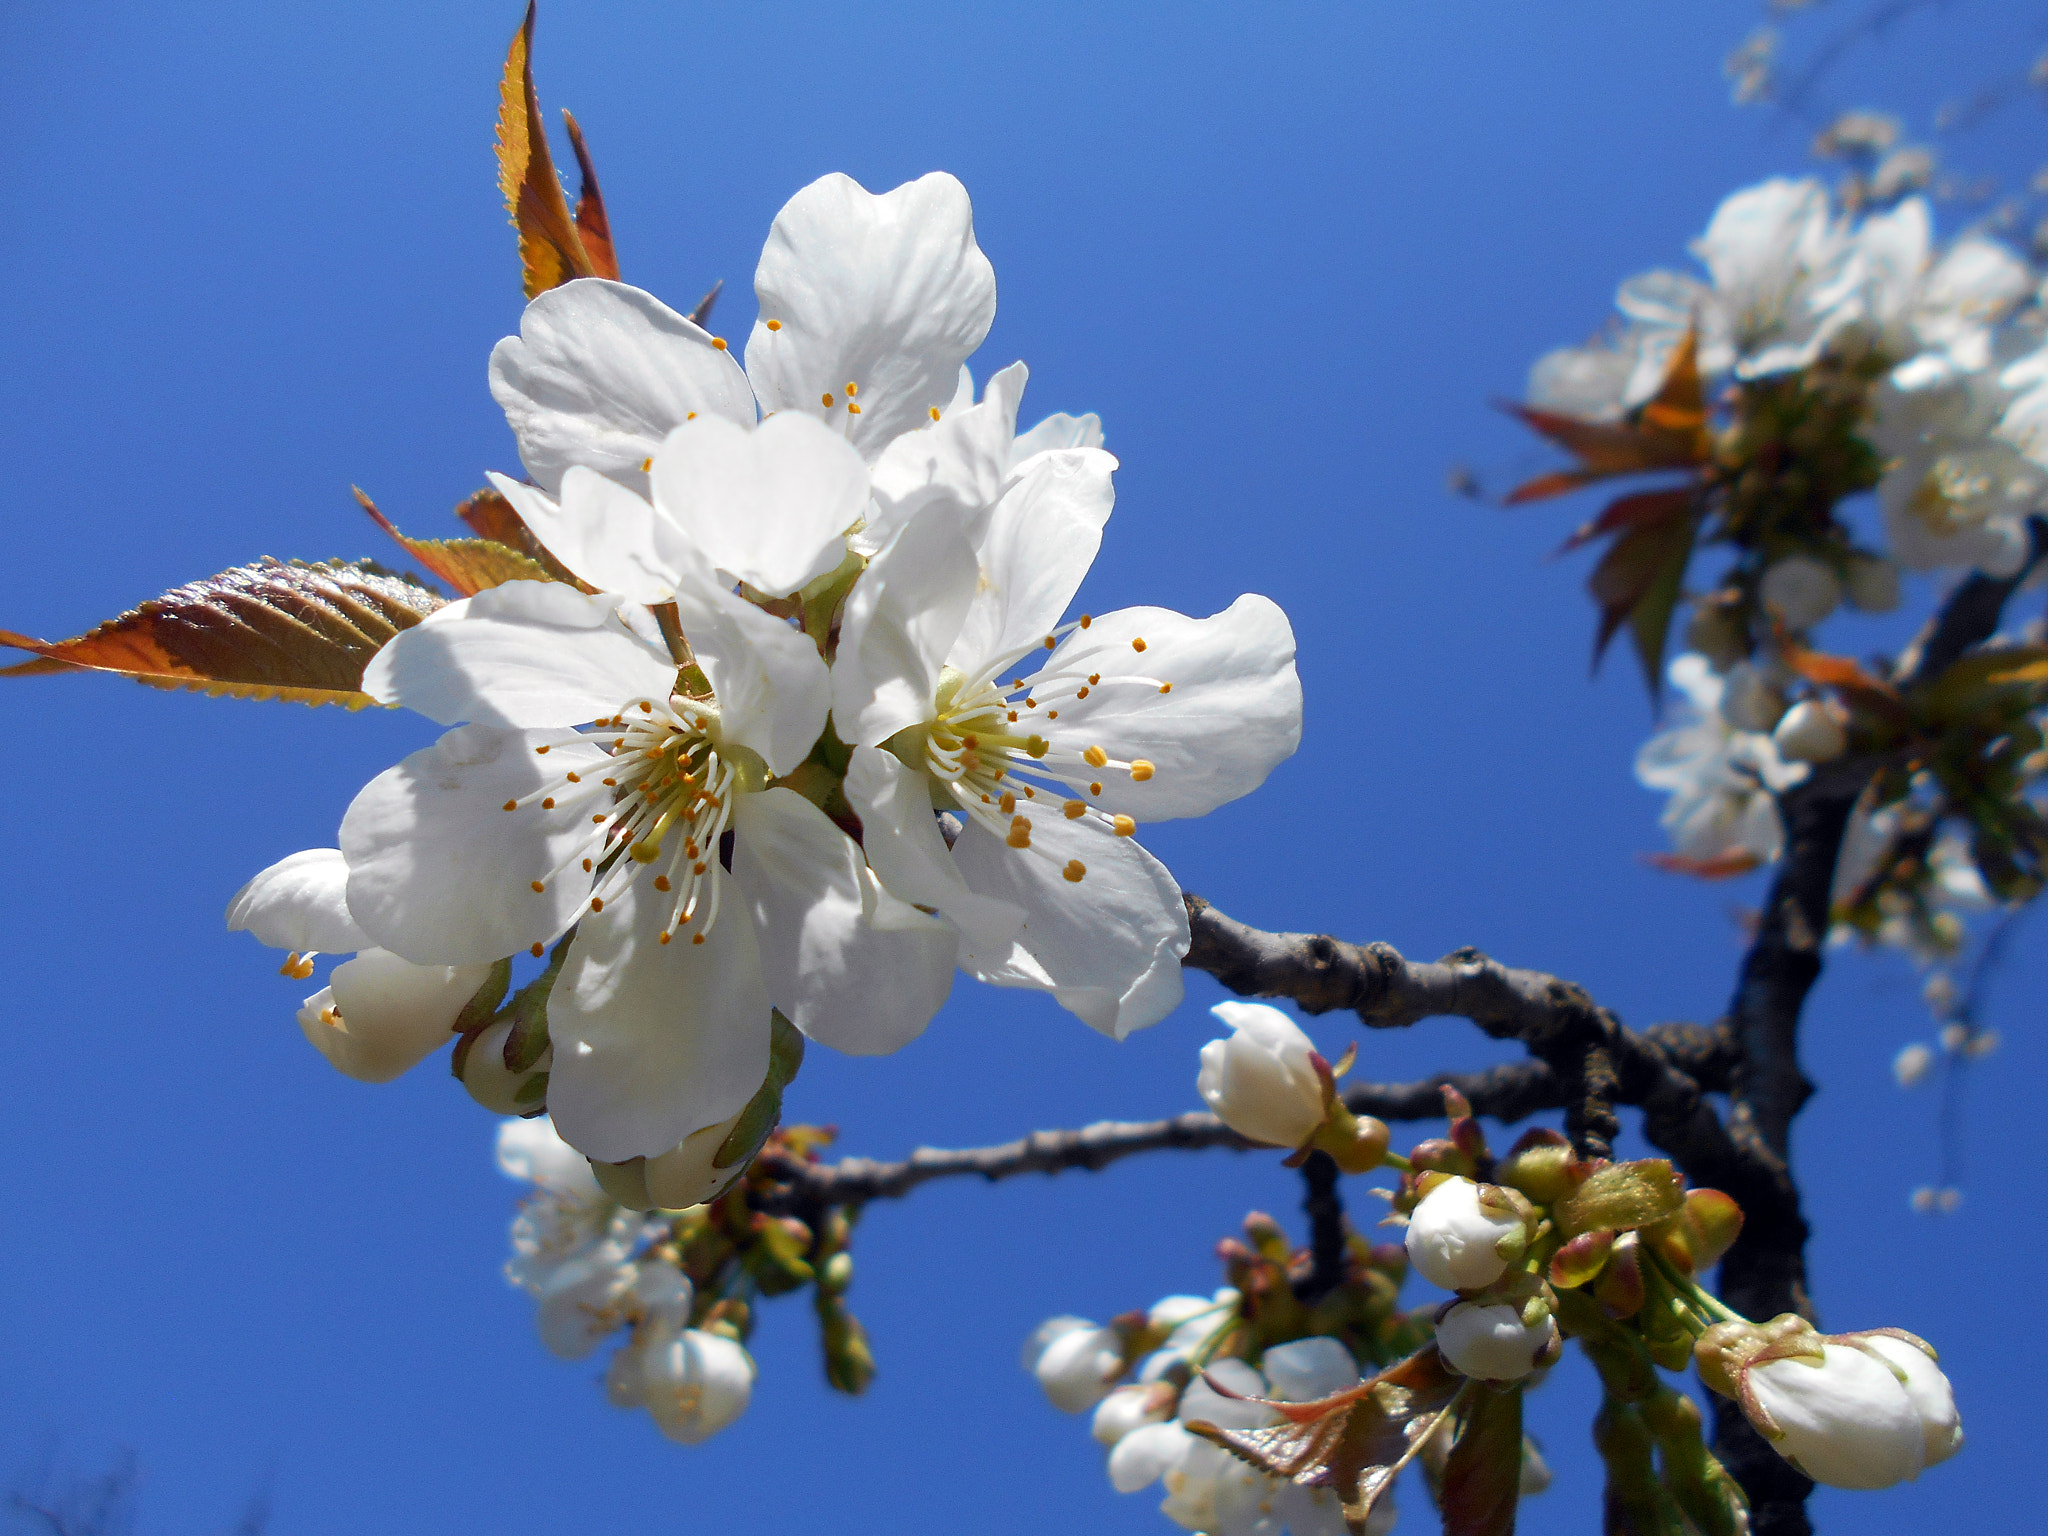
{"points": [[1933, 1399], [1260, 1080], [1844, 1420], [1749, 700], [695, 1384], [380, 1016], [677, 1179], [1464, 1235], [1493, 1342], [1539, 1165], [1799, 591], [1809, 733], [1132, 1407], [1075, 1361], [1872, 584], [493, 1084]]}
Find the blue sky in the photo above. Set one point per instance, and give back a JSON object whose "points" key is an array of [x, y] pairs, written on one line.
{"points": [[1290, 255]]}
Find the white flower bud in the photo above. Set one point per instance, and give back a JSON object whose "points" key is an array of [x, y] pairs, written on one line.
{"points": [[695, 1384], [1308, 1369], [1130, 1408], [380, 1016], [1844, 1420], [1075, 1361], [1912, 1065], [1809, 733], [489, 1081], [1492, 1342], [1933, 1399], [1749, 700], [1259, 1081], [1799, 591], [676, 1179], [1873, 584], [1455, 1241]]}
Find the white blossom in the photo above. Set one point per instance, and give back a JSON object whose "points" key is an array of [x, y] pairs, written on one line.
{"points": [[1074, 1360], [1134, 716], [1721, 779], [1911, 1066], [1259, 1080], [1845, 1420], [1958, 484], [1131, 1407], [1455, 1240], [1800, 591], [694, 1383], [1916, 302], [1809, 733], [1933, 1399], [1492, 1342]]}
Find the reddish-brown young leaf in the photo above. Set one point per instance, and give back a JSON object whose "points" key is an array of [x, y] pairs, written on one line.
{"points": [[1355, 1442], [1669, 432], [1483, 1475], [490, 516], [272, 630], [1641, 510], [467, 565], [591, 222], [1723, 866], [551, 251], [1646, 565]]}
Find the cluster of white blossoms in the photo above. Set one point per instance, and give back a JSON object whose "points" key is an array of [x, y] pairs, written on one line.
{"points": [[594, 1269], [827, 602], [1464, 1237], [1142, 1421]]}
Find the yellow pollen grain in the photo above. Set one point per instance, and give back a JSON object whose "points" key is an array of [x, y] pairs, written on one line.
{"points": [[1095, 789], [1138, 644], [1075, 870], [661, 882], [511, 805], [536, 951], [826, 398], [852, 409], [1123, 825], [1141, 771], [696, 938], [1095, 757], [1009, 803], [774, 325], [548, 804], [538, 887], [1075, 809], [718, 342], [597, 903], [935, 413]]}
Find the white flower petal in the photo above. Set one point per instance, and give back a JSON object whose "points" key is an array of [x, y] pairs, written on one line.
{"points": [[598, 529], [772, 687], [1109, 946], [534, 1151], [900, 834], [441, 874], [768, 505], [525, 655], [393, 1014], [900, 620], [838, 975], [1036, 548], [1058, 430], [1147, 1454], [1233, 715], [598, 375], [888, 293], [300, 903], [653, 1041], [960, 461]]}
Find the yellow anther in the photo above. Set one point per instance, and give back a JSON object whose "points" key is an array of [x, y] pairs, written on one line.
{"points": [[1123, 825], [666, 937], [774, 325], [538, 887], [1029, 702], [698, 869], [1094, 678], [511, 805], [586, 866], [1138, 644], [1095, 757], [595, 821], [826, 397], [575, 778], [1095, 789], [718, 342], [1166, 687], [1051, 641], [852, 389], [935, 413], [548, 804], [1052, 714], [540, 751], [1141, 771], [1086, 620], [1020, 834], [597, 903], [1075, 809], [1013, 716], [696, 938], [537, 950], [297, 966], [661, 882], [986, 801], [1009, 803], [646, 464], [1082, 693], [852, 409], [609, 783], [1037, 746], [1075, 870], [648, 709], [691, 417]]}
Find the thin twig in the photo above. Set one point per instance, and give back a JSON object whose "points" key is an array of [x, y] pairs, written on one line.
{"points": [[1324, 1208]]}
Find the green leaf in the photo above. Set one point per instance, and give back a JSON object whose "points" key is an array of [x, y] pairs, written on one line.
{"points": [[272, 630]]}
